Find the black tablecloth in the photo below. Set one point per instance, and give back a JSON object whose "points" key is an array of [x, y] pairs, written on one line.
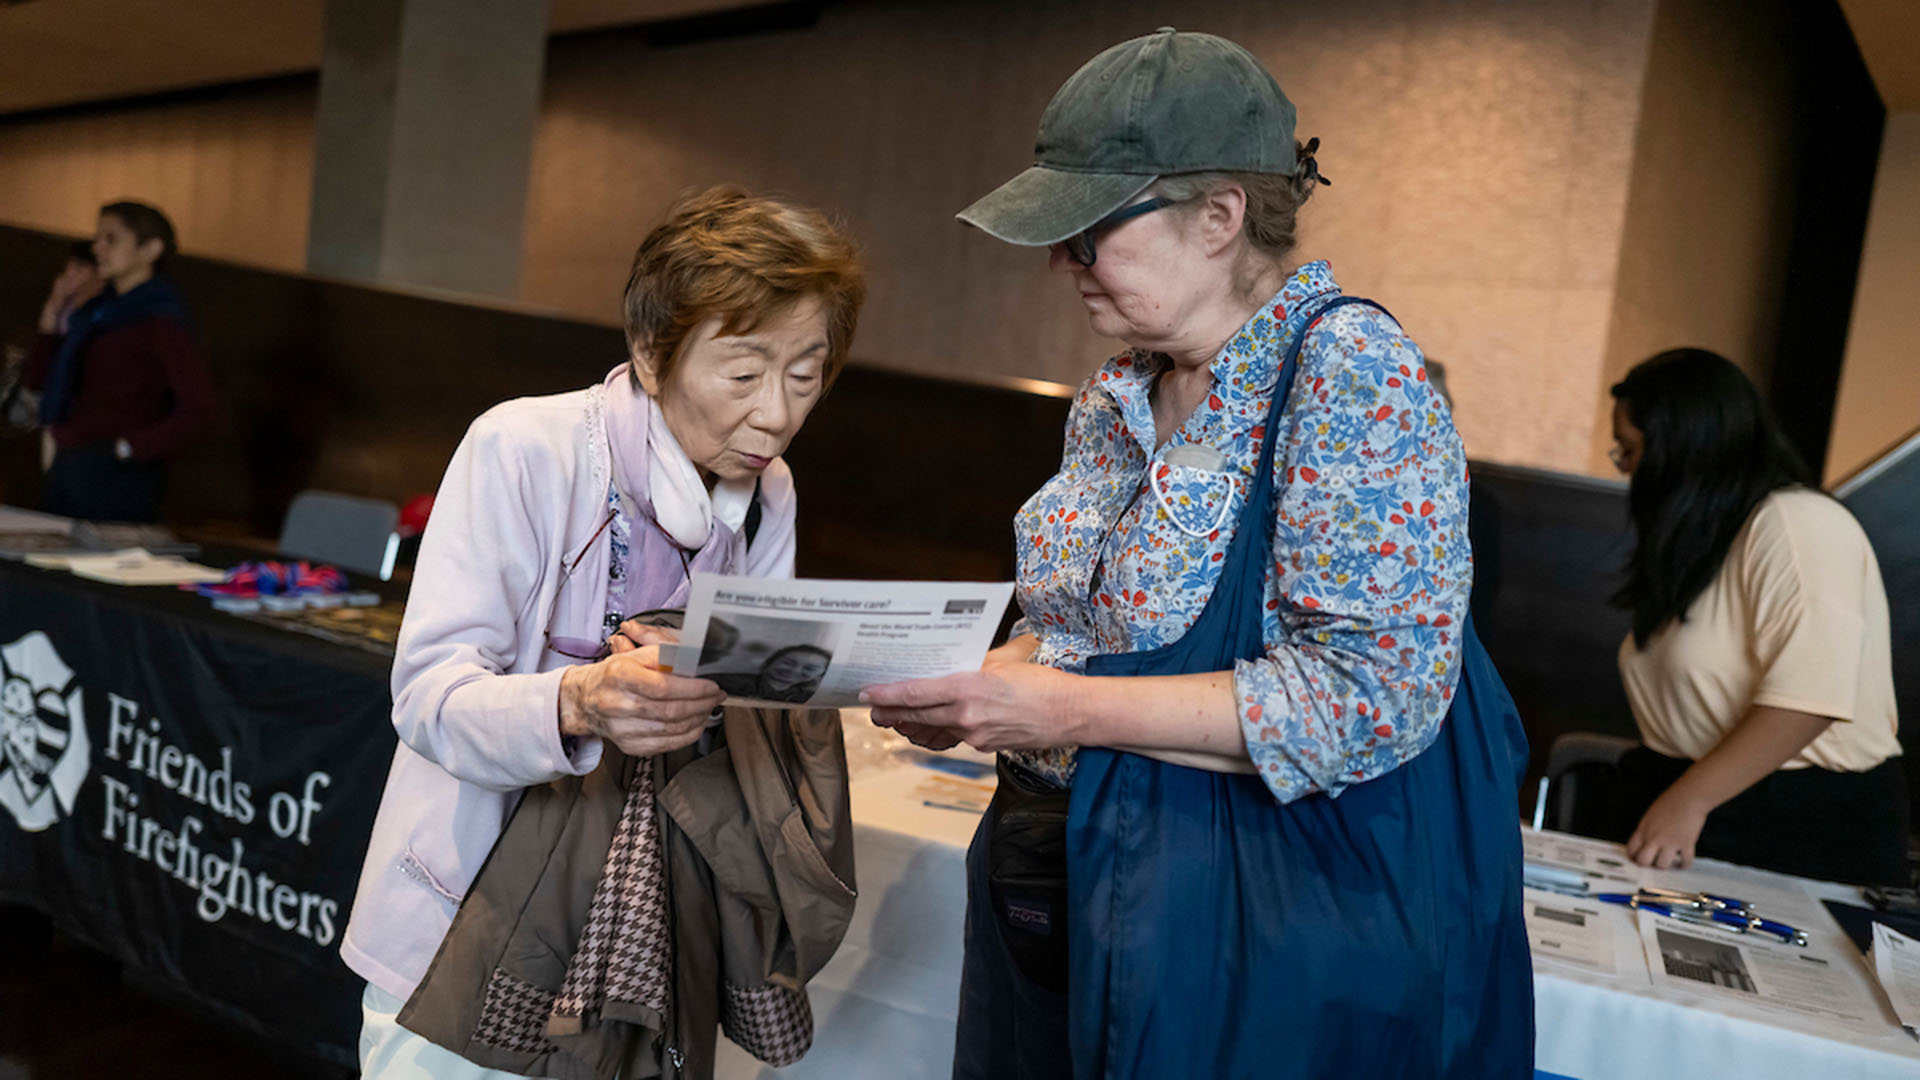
{"points": [[192, 793]]}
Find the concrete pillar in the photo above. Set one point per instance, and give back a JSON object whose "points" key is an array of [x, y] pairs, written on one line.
{"points": [[423, 141]]}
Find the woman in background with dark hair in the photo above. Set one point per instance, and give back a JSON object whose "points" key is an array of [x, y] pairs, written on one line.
{"points": [[123, 387], [1759, 669]]}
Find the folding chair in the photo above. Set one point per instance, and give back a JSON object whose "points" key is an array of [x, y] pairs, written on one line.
{"points": [[349, 531]]}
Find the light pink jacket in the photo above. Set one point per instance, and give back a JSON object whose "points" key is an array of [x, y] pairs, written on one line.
{"points": [[475, 689]]}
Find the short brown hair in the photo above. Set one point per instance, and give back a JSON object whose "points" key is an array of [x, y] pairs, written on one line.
{"points": [[741, 257]]}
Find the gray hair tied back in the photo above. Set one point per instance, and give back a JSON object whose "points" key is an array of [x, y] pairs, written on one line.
{"points": [[1272, 207]]}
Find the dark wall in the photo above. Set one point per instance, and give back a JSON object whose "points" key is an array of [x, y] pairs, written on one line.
{"points": [[1838, 120], [367, 391], [1548, 551], [1885, 498], [907, 477], [323, 384]]}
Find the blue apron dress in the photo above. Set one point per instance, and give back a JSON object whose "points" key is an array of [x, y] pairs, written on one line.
{"points": [[1217, 933]]}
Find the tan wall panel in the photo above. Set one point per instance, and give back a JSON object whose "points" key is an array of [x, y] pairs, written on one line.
{"points": [[1480, 150], [1879, 401], [1710, 214], [234, 172]]}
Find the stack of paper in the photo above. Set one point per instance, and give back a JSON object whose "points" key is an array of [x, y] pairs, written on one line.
{"points": [[19, 543], [132, 566], [1896, 960], [108, 536]]}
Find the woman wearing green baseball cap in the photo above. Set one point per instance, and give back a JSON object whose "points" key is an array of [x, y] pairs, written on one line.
{"points": [[1256, 812]]}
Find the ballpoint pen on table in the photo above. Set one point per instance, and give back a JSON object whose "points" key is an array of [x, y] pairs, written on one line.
{"points": [[1697, 900], [1554, 879], [1712, 917], [1734, 916], [1788, 934]]}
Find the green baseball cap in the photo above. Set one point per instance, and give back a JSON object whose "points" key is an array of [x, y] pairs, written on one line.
{"points": [[1167, 103]]}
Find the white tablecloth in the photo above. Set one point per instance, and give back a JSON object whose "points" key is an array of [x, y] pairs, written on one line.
{"points": [[1626, 1026], [885, 1006], [20, 519]]}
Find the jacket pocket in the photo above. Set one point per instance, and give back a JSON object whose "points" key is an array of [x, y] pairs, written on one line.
{"points": [[705, 802], [411, 865], [806, 860], [773, 1023]]}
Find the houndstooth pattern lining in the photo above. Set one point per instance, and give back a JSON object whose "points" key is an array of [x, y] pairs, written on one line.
{"points": [[513, 1015], [770, 1022], [624, 954]]}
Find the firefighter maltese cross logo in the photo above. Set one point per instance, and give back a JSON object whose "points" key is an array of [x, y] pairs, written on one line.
{"points": [[43, 736]]}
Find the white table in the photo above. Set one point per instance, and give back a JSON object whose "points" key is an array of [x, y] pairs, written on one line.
{"points": [[885, 1006], [1632, 1024], [20, 519]]}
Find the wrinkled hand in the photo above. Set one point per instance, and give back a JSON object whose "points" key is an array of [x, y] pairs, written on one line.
{"points": [[627, 700], [1667, 833], [925, 735], [1008, 704]]}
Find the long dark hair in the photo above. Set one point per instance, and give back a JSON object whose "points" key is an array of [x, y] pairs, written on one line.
{"points": [[1712, 452]]}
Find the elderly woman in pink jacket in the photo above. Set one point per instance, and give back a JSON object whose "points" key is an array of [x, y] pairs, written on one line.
{"points": [[558, 517]]}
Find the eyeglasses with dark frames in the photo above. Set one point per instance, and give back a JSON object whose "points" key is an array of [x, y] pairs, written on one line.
{"points": [[1080, 245]]}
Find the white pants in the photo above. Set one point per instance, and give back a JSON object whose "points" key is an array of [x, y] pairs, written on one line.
{"points": [[391, 1052]]}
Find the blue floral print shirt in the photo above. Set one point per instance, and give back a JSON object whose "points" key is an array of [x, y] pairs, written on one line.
{"points": [[1367, 592], [620, 537]]}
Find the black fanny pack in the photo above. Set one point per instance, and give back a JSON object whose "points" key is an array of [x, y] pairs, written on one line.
{"points": [[1027, 874]]}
